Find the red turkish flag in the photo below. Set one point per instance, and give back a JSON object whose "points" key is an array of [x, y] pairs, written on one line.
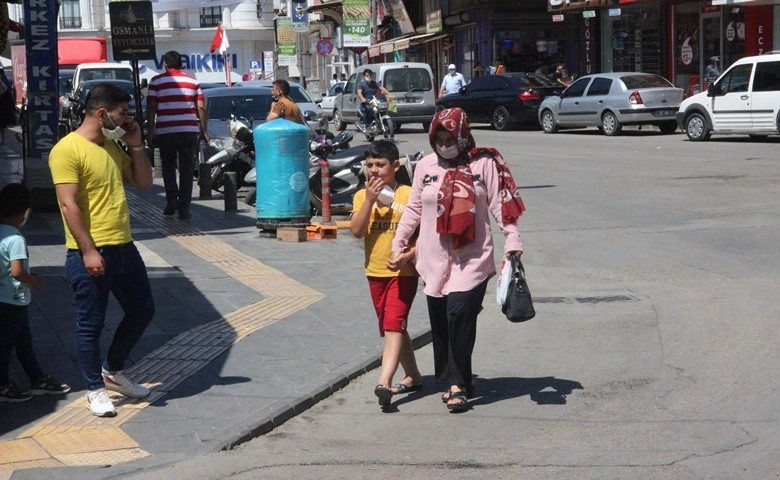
{"points": [[220, 41]]}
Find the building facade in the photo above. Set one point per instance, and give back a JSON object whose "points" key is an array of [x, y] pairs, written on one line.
{"points": [[689, 42]]}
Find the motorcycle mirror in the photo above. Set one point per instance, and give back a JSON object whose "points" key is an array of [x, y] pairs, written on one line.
{"points": [[309, 115]]}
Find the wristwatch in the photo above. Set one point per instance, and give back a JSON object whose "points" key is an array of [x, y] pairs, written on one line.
{"points": [[137, 148]]}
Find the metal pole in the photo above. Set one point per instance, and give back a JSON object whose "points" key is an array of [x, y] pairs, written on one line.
{"points": [[299, 60], [326, 217], [139, 109]]}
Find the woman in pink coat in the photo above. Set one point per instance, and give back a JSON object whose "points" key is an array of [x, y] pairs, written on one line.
{"points": [[454, 192]]}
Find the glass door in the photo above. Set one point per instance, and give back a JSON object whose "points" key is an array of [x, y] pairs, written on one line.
{"points": [[711, 57]]}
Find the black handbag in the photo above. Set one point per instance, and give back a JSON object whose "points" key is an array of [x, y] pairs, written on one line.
{"points": [[518, 306]]}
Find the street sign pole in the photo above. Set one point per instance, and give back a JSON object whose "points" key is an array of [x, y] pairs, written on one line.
{"points": [[139, 108], [132, 38]]}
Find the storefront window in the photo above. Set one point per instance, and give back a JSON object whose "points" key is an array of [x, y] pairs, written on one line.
{"points": [[529, 48], [733, 35], [636, 40], [687, 53]]}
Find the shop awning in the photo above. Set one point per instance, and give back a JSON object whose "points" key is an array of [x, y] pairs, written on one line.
{"points": [[322, 6], [746, 3], [402, 43], [558, 6], [77, 50]]}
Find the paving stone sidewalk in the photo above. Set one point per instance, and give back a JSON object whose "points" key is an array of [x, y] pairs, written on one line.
{"points": [[249, 331]]}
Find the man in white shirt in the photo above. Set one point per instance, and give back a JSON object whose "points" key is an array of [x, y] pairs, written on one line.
{"points": [[452, 82]]}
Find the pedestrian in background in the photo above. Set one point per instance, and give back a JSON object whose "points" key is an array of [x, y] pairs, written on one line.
{"points": [[7, 104], [15, 284], [283, 106], [452, 82], [455, 190], [335, 79], [88, 167], [376, 211], [177, 120]]}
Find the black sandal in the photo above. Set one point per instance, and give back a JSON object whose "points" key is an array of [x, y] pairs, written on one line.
{"points": [[457, 402], [383, 394]]}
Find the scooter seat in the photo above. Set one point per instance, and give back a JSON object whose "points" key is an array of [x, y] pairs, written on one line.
{"points": [[344, 157]]}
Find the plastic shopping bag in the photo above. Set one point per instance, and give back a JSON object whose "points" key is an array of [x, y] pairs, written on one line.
{"points": [[504, 278]]}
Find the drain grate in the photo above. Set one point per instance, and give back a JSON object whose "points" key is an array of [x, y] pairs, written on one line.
{"points": [[595, 299]]}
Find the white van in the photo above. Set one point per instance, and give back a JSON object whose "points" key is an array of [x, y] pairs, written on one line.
{"points": [[410, 83], [744, 100], [101, 71]]}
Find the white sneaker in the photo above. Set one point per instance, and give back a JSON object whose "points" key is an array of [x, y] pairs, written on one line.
{"points": [[100, 404], [118, 382]]}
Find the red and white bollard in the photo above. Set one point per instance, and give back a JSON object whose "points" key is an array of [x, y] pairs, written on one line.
{"points": [[325, 191]]}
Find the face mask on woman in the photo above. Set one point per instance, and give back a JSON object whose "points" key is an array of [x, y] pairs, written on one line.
{"points": [[447, 152]]}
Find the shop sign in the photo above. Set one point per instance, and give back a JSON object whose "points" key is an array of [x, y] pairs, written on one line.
{"points": [[614, 12], [132, 30], [433, 22], [588, 14], [286, 50], [42, 73], [588, 52], [562, 5], [357, 23], [557, 18], [300, 19]]}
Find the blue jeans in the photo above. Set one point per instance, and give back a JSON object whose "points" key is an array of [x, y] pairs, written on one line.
{"points": [[178, 149], [15, 332], [125, 276]]}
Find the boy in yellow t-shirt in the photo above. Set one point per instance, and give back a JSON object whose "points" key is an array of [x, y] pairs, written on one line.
{"points": [[376, 211]]}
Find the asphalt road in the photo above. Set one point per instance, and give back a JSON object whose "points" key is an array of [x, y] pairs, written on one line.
{"points": [[654, 353]]}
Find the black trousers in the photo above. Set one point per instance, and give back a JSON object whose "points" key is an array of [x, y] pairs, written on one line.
{"points": [[178, 150], [454, 330]]}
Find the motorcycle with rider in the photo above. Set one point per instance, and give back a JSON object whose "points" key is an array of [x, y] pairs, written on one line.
{"points": [[373, 117]]}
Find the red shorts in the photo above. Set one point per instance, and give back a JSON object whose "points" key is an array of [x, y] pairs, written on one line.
{"points": [[392, 297]]}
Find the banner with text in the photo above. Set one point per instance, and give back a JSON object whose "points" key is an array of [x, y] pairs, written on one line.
{"points": [[357, 23], [285, 42]]}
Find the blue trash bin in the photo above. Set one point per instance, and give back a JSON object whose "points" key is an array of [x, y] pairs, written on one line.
{"points": [[282, 163]]}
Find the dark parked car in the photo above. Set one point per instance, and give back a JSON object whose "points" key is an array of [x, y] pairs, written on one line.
{"points": [[502, 100], [74, 106], [610, 100]]}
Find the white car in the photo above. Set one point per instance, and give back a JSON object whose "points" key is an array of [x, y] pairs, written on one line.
{"points": [[329, 100]]}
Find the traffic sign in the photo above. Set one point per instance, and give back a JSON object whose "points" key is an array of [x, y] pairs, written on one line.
{"points": [[132, 30], [255, 65], [325, 47]]}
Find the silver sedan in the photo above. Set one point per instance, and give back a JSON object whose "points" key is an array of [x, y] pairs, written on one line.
{"points": [[611, 100]]}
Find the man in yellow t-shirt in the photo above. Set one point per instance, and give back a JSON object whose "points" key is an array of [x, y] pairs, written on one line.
{"points": [[88, 168], [376, 211]]}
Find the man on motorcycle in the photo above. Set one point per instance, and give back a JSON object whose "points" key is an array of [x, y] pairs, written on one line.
{"points": [[366, 90]]}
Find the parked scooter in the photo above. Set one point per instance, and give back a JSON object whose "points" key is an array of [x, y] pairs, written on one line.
{"points": [[377, 121], [343, 182], [318, 143], [235, 154]]}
